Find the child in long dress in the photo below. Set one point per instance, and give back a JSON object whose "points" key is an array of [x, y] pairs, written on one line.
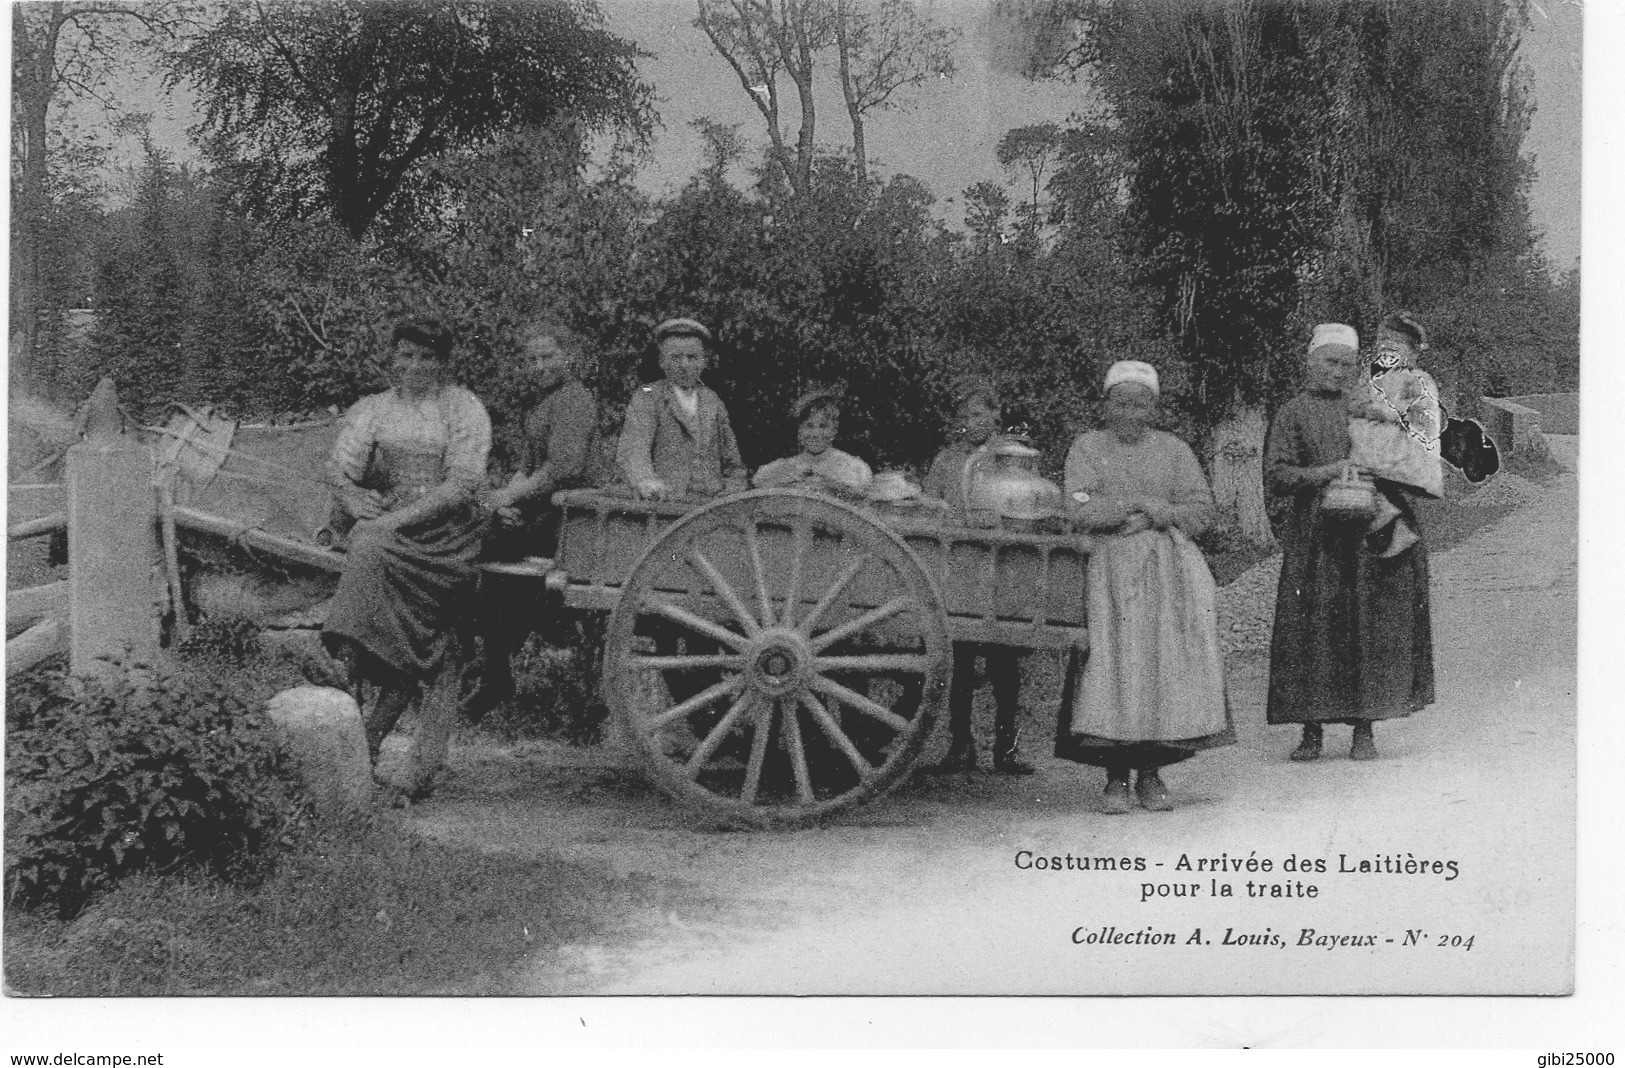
{"points": [[1394, 427]]}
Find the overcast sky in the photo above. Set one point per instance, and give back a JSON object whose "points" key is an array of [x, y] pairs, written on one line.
{"points": [[947, 133], [947, 136]]}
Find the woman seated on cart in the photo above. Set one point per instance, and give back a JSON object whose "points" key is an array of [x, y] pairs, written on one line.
{"points": [[819, 465], [677, 441], [405, 469], [548, 448], [1152, 688]]}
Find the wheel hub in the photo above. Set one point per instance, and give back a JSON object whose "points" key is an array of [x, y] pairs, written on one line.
{"points": [[779, 662]]}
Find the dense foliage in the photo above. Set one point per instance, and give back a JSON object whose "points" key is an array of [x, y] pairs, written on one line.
{"points": [[126, 771], [336, 106], [1248, 169]]}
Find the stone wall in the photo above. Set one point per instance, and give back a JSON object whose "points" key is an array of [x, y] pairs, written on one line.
{"points": [[1514, 427], [1559, 412]]}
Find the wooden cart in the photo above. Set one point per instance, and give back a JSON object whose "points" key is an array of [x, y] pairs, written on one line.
{"points": [[778, 656]]}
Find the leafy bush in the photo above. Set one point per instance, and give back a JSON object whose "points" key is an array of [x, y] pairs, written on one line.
{"points": [[556, 693], [128, 770], [228, 640]]}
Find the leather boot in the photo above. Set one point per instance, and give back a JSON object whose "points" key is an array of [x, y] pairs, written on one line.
{"points": [[1007, 750], [1365, 746], [1309, 748]]}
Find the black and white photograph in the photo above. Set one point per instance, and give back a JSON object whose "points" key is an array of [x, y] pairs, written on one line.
{"points": [[1009, 499]]}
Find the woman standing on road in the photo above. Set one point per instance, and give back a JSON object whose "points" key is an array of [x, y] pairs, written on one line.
{"points": [[405, 468], [1353, 640], [1152, 689]]}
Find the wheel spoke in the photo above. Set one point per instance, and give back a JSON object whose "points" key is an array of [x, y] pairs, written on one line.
{"points": [[798, 755], [830, 595], [699, 625], [821, 716], [758, 751], [708, 696], [725, 590], [678, 663], [911, 663], [797, 561], [753, 549], [868, 619], [721, 731], [868, 706]]}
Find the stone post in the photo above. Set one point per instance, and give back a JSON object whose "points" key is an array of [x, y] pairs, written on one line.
{"points": [[113, 555]]}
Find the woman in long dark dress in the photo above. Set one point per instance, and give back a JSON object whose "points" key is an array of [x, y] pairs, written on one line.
{"points": [[406, 467], [1353, 640]]}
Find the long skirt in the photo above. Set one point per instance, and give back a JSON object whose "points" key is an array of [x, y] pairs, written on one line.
{"points": [[1152, 689], [401, 594], [1353, 637]]}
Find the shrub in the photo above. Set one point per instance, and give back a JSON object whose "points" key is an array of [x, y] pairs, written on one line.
{"points": [[556, 693], [128, 770], [227, 640]]}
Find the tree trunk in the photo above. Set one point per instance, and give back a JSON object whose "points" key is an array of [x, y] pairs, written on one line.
{"points": [[843, 46], [35, 84], [1238, 472], [804, 140]]}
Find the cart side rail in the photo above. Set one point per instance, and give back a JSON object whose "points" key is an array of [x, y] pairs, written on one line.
{"points": [[998, 586]]}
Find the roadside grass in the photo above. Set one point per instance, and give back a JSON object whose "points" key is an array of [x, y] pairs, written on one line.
{"points": [[372, 909], [369, 908]]}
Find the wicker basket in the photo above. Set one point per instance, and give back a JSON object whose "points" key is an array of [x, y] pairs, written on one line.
{"points": [[1350, 496]]}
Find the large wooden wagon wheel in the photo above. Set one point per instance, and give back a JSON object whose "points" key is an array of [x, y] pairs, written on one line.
{"points": [[814, 664]]}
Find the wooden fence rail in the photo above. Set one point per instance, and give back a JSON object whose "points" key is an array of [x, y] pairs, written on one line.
{"points": [[34, 528], [26, 607]]}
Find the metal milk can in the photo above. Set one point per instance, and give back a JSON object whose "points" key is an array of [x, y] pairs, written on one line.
{"points": [[1003, 481]]}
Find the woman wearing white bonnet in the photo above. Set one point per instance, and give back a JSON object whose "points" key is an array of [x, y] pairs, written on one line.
{"points": [[1151, 692], [1353, 640]]}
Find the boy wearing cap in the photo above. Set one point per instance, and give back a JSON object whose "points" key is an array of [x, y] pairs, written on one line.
{"points": [[677, 440]]}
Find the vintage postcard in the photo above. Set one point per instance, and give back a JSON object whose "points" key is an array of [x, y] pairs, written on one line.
{"points": [[1024, 500]]}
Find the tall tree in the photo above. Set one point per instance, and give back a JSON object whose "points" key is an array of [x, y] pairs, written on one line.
{"points": [[60, 51], [1428, 107], [884, 47], [1287, 160], [1032, 150], [338, 105], [763, 40], [1217, 107], [987, 205]]}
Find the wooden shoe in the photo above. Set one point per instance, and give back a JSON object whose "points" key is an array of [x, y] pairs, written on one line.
{"points": [[1115, 801]]}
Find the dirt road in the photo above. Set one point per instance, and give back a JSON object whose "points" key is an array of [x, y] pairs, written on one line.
{"points": [[936, 889]]}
